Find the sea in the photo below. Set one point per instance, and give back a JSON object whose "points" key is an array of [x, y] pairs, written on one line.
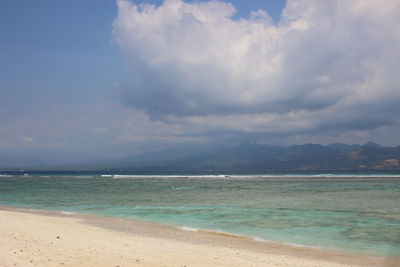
{"points": [[345, 212]]}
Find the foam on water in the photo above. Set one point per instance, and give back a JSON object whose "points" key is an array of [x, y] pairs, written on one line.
{"points": [[187, 228], [208, 176], [68, 213], [138, 176], [234, 176], [259, 239]]}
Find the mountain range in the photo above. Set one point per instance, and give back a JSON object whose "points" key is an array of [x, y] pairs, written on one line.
{"points": [[242, 157]]}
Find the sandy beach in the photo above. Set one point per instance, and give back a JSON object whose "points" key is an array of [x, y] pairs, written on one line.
{"points": [[44, 238]]}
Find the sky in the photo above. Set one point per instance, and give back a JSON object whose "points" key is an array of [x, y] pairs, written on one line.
{"points": [[90, 79]]}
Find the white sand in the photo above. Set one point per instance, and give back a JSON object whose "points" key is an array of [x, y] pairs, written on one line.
{"points": [[36, 238]]}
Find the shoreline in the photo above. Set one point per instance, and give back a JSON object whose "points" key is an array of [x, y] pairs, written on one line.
{"points": [[165, 245]]}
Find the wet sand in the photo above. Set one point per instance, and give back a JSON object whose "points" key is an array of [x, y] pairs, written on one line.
{"points": [[45, 238]]}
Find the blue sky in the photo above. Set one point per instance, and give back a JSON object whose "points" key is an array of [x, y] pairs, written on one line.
{"points": [[58, 47], [76, 79], [67, 46]]}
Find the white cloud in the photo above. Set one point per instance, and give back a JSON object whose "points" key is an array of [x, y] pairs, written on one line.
{"points": [[326, 65]]}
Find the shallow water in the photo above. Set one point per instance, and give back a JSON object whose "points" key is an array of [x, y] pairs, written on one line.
{"points": [[353, 213]]}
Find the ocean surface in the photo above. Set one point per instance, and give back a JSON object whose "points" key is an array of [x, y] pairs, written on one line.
{"points": [[357, 213]]}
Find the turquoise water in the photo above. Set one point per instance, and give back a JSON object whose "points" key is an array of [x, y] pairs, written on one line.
{"points": [[352, 213]]}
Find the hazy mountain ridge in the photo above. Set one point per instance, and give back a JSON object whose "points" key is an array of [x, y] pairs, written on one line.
{"points": [[299, 157], [248, 157]]}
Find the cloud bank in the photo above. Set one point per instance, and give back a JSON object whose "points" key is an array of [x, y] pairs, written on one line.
{"points": [[325, 67]]}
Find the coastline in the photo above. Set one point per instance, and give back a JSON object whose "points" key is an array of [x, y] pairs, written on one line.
{"points": [[48, 238]]}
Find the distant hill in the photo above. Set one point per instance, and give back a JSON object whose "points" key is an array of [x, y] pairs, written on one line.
{"points": [[299, 157], [252, 157], [343, 147]]}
